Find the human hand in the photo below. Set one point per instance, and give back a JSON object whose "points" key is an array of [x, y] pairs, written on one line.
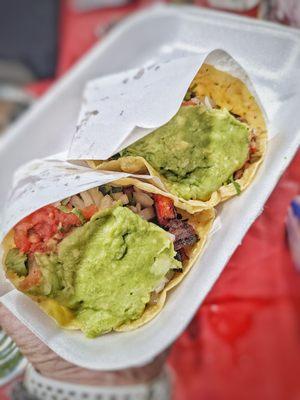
{"points": [[50, 365]]}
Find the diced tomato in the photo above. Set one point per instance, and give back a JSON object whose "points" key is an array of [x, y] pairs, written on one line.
{"points": [[252, 148], [68, 220], [89, 211], [33, 232], [188, 103], [181, 255], [164, 208], [20, 236]]}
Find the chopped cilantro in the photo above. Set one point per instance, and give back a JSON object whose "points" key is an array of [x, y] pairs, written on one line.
{"points": [[73, 211], [237, 187], [235, 184], [105, 189]]}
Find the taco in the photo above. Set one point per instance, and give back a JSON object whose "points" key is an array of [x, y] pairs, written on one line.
{"points": [[209, 151], [104, 259]]}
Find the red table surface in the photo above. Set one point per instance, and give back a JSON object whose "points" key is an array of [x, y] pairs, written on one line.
{"points": [[244, 342]]}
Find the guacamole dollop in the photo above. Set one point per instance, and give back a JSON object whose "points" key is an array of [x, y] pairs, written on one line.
{"points": [[15, 261], [106, 269], [197, 151]]}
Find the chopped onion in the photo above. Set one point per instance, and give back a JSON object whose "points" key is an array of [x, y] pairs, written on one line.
{"points": [[87, 198], [195, 100], [124, 199], [64, 202], [133, 209], [161, 285], [143, 198], [77, 202], [96, 195], [116, 196], [171, 236], [106, 202], [147, 213], [209, 102]]}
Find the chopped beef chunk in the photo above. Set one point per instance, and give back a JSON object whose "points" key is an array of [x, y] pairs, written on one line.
{"points": [[181, 255], [128, 190], [185, 234]]}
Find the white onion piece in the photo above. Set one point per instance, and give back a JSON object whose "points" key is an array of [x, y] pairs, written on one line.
{"points": [[143, 198], [77, 202], [96, 195], [87, 198], [147, 213], [124, 199], [171, 236], [106, 202], [161, 285], [195, 100], [209, 102], [116, 196]]}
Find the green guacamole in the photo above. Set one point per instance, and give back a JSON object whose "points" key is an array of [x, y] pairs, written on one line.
{"points": [[106, 270], [197, 151]]}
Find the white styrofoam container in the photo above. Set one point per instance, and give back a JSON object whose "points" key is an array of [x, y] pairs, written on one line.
{"points": [[271, 56]]}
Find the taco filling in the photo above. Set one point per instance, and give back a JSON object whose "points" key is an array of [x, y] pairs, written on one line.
{"points": [[200, 149], [105, 254]]}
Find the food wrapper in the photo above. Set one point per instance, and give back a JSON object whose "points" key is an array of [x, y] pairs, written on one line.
{"points": [[36, 184], [41, 182], [45, 181], [119, 109]]}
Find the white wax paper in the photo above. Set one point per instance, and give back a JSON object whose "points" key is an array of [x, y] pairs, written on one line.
{"points": [[36, 184], [45, 181], [119, 109]]}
